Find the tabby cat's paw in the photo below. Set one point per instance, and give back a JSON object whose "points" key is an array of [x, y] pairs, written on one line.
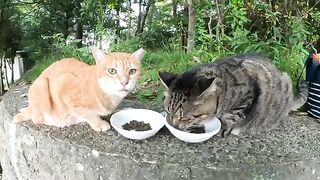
{"points": [[101, 126], [224, 133]]}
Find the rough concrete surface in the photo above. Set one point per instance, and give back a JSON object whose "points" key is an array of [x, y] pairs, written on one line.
{"points": [[42, 152]]}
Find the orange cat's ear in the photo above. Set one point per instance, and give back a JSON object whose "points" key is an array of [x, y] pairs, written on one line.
{"points": [[138, 54], [98, 54]]}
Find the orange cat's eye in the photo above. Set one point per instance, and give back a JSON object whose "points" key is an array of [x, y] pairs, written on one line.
{"points": [[132, 71], [112, 71]]}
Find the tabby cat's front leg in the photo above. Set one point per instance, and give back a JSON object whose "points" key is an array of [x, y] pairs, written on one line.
{"points": [[229, 121]]}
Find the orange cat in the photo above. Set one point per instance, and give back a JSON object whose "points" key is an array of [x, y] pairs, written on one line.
{"points": [[70, 91]]}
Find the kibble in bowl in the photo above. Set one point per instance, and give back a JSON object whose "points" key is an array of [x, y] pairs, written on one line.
{"points": [[202, 133], [136, 126], [137, 123]]}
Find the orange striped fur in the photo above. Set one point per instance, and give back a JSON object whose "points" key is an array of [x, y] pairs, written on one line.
{"points": [[70, 91]]}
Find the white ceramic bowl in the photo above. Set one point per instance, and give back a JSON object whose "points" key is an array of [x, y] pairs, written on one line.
{"points": [[118, 119], [212, 127]]}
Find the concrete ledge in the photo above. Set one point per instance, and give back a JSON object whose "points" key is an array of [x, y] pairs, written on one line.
{"points": [[41, 152]]}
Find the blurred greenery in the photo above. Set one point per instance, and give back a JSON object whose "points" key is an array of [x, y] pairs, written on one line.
{"points": [[284, 31]]}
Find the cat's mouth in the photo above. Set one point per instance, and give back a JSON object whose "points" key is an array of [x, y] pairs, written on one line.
{"points": [[124, 90], [181, 123], [189, 122]]}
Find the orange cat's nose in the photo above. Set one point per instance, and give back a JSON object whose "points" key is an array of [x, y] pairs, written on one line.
{"points": [[124, 83]]}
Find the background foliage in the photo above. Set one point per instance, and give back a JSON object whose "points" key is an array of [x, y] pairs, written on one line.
{"points": [[285, 31]]}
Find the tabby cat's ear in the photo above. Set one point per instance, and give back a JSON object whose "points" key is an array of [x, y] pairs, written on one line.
{"points": [[166, 78], [206, 86], [138, 54], [98, 54]]}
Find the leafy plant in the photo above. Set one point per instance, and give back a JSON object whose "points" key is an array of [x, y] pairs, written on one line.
{"points": [[281, 30]]}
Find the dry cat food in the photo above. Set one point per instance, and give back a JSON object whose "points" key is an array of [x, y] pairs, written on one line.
{"points": [[137, 125], [197, 129]]}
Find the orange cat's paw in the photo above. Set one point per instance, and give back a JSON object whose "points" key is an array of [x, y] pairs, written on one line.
{"points": [[23, 115], [18, 118], [15, 119], [101, 126]]}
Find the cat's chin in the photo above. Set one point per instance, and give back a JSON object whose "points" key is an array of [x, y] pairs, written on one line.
{"points": [[121, 93]]}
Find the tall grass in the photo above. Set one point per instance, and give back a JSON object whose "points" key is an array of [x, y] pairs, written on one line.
{"points": [[42, 64], [287, 56]]}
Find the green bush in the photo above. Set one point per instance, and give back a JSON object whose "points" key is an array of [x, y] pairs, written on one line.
{"points": [[130, 45], [42, 64]]}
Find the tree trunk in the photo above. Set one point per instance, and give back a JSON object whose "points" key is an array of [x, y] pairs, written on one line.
{"points": [[79, 33], [220, 13], [129, 20], [183, 30], [139, 18], [209, 26], [174, 18], [174, 8], [1, 74], [312, 4], [6, 72], [118, 9], [2, 12], [79, 26], [191, 26], [12, 70], [65, 36], [144, 17], [151, 12], [1, 17]]}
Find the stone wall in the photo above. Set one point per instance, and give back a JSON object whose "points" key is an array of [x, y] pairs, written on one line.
{"points": [[41, 152]]}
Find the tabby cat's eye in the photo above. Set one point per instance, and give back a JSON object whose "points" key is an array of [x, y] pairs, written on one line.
{"points": [[197, 115], [132, 71], [112, 71]]}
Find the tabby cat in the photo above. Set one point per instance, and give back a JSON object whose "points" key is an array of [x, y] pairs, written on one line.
{"points": [[247, 93], [70, 91]]}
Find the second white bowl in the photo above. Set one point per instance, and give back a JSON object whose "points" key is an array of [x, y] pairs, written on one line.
{"points": [[212, 127]]}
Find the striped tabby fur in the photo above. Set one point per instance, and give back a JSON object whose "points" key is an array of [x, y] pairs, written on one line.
{"points": [[247, 93]]}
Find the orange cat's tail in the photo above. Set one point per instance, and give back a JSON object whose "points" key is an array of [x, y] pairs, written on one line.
{"points": [[39, 95]]}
